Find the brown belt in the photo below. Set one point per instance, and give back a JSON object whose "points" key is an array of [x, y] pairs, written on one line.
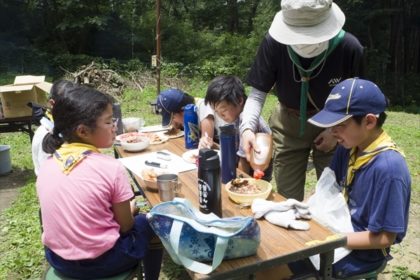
{"points": [[296, 113]]}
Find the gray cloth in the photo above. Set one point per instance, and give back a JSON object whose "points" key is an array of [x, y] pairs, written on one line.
{"points": [[252, 110]]}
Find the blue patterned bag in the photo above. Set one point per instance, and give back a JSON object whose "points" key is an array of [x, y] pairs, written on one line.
{"points": [[191, 237]]}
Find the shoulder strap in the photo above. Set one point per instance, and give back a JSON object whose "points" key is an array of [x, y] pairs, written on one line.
{"points": [[193, 265]]}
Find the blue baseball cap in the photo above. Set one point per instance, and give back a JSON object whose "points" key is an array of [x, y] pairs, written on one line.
{"points": [[351, 97], [168, 102]]}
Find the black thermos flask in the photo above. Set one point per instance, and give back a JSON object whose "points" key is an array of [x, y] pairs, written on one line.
{"points": [[209, 192]]}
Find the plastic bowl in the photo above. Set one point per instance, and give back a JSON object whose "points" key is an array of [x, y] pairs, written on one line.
{"points": [[132, 124], [133, 142], [247, 198]]}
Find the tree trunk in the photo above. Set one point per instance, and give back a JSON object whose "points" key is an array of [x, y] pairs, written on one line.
{"points": [[233, 23]]}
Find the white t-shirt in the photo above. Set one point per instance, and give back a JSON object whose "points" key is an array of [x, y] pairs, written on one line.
{"points": [[203, 111], [38, 155]]}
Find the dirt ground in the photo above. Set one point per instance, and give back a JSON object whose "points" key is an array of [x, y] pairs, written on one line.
{"points": [[406, 254], [10, 184]]}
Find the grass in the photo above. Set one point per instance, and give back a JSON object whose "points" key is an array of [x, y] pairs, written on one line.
{"points": [[21, 251]]}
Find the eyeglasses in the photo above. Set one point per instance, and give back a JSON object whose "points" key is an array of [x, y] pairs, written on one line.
{"points": [[115, 121]]}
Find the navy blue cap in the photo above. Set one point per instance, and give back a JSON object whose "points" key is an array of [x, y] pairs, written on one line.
{"points": [[168, 102], [351, 97]]}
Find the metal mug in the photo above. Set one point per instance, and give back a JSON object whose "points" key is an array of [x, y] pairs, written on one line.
{"points": [[168, 186]]}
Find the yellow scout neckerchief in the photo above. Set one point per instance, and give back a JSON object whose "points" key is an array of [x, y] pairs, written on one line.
{"points": [[49, 115], [381, 144], [69, 155]]}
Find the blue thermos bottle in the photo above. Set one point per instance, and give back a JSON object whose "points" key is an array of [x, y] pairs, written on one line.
{"points": [[228, 150], [191, 129]]}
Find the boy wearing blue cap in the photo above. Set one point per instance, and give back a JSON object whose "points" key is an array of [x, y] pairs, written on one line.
{"points": [[170, 104], [371, 171]]}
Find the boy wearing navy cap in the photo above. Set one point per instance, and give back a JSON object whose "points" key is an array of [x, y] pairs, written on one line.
{"points": [[371, 171], [170, 104]]}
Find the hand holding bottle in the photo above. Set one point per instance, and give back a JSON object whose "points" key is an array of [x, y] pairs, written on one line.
{"points": [[261, 153]]}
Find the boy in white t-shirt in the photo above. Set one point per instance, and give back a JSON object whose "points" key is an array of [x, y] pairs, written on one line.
{"points": [[226, 96]]}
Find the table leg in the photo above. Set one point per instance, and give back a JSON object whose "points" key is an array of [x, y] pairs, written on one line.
{"points": [[30, 131], [326, 259]]}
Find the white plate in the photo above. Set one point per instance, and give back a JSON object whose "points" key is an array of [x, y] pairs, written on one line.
{"points": [[190, 156], [153, 128]]}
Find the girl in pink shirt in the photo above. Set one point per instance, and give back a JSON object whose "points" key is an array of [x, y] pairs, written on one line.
{"points": [[89, 227]]}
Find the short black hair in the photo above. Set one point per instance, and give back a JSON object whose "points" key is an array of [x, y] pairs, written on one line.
{"points": [[186, 99], [379, 123], [225, 88]]}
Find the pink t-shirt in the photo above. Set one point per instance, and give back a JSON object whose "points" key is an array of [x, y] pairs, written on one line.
{"points": [[76, 209]]}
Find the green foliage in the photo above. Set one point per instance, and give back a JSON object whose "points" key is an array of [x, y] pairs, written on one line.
{"points": [[198, 38], [137, 104], [402, 273], [22, 254], [72, 62]]}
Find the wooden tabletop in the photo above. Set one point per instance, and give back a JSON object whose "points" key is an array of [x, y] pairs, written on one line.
{"points": [[278, 245]]}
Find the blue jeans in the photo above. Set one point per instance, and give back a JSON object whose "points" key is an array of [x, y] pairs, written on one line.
{"points": [[128, 250]]}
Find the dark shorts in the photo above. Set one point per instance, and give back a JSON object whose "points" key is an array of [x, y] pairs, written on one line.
{"points": [[129, 249], [352, 265]]}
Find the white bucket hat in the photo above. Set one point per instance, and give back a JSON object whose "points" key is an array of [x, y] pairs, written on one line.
{"points": [[306, 22]]}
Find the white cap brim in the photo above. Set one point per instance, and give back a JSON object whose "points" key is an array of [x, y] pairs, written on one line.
{"points": [[327, 119], [294, 35]]}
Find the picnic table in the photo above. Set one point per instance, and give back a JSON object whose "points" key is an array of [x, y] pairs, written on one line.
{"points": [[21, 124], [278, 245]]}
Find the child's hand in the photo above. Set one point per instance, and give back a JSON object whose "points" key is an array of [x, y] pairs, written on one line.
{"points": [[205, 142]]}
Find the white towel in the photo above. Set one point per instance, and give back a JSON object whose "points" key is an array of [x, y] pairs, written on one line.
{"points": [[284, 214]]}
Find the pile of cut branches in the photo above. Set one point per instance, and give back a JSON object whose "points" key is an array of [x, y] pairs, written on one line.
{"points": [[101, 77], [98, 76]]}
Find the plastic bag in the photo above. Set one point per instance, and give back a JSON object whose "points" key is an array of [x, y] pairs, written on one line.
{"points": [[329, 208]]}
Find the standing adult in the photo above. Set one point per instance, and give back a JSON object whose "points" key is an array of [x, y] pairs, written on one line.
{"points": [[305, 54]]}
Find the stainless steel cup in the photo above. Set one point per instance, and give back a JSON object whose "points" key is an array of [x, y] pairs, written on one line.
{"points": [[168, 186]]}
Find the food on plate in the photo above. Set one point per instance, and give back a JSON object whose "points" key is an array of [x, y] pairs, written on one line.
{"points": [[154, 138], [244, 186], [131, 137], [149, 174], [193, 157], [172, 131]]}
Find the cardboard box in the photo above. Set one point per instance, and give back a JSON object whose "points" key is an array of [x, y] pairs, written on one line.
{"points": [[14, 98]]}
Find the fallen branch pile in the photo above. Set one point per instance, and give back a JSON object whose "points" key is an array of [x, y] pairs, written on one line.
{"points": [[100, 77]]}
